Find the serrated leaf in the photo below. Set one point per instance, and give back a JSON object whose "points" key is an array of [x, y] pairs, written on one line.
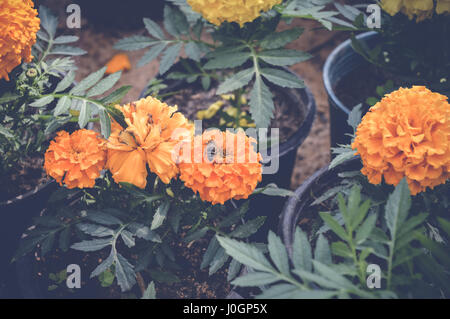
{"points": [[255, 279], [103, 266], [334, 225], [193, 51], [196, 235], [236, 81], [339, 248], [128, 238], [92, 245], [144, 232], [126, 278], [153, 28], [63, 106], [280, 291], [282, 78], [163, 276], [322, 252], [219, 259], [210, 252], [341, 158], [64, 239], [133, 43], [233, 269], [354, 117], [105, 123], [103, 218], [43, 101], [88, 82], [104, 85], [152, 54], [246, 254], [280, 39], [283, 57], [261, 104], [150, 292], [49, 22], [160, 215], [249, 228], [95, 230], [278, 253], [66, 82], [6, 132], [364, 231], [117, 95], [63, 39], [301, 251], [47, 243], [228, 60], [67, 50], [169, 57], [175, 21], [85, 114], [397, 207]]}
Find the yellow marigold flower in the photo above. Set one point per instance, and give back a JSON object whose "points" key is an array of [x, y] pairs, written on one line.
{"points": [[210, 111], [421, 9], [239, 11], [443, 6], [406, 134], [232, 169], [148, 139], [18, 27], [76, 159], [119, 62]]}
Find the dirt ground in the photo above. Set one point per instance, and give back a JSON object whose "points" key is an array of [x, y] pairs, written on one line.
{"points": [[315, 151]]}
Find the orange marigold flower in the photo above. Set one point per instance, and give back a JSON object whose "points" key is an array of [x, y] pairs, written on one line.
{"points": [[18, 27], [406, 134], [222, 166], [154, 130], [119, 62], [76, 159]]}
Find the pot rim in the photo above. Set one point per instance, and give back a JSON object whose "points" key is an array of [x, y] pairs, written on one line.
{"points": [[330, 61]]}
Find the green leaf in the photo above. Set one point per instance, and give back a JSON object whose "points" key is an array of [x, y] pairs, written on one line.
{"points": [[283, 57], [105, 123], [193, 51], [105, 84], [88, 82], [103, 266], [355, 116], [397, 207], [150, 292], [278, 253], [153, 28], [103, 218], [282, 78], [227, 60], [125, 275], [128, 238], [6, 132], [255, 279], [117, 95], [445, 224], [144, 232], [43, 101], [95, 230], [233, 269], [246, 254], [67, 50], [210, 252], [92, 245], [66, 82], [301, 251], [66, 39], [322, 252], [236, 81], [85, 114], [49, 22], [218, 261], [261, 104], [341, 249], [151, 54], [249, 228], [281, 291], [175, 21], [63, 106], [366, 228], [334, 225], [160, 215], [280, 39], [163, 276], [169, 57], [341, 158], [133, 43]]}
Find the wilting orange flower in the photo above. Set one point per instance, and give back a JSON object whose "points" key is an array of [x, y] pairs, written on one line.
{"points": [[76, 159], [222, 166], [18, 27], [119, 62], [406, 134], [154, 129]]}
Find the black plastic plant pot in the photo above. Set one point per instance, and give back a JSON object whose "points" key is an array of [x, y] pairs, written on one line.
{"points": [[119, 14], [340, 63], [263, 205], [16, 215], [317, 184]]}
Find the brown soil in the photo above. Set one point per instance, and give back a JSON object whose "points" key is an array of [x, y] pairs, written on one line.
{"points": [[287, 117]]}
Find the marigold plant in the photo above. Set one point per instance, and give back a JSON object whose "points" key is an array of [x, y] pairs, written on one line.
{"points": [[76, 159], [406, 134], [222, 166], [18, 27], [218, 11], [149, 139]]}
